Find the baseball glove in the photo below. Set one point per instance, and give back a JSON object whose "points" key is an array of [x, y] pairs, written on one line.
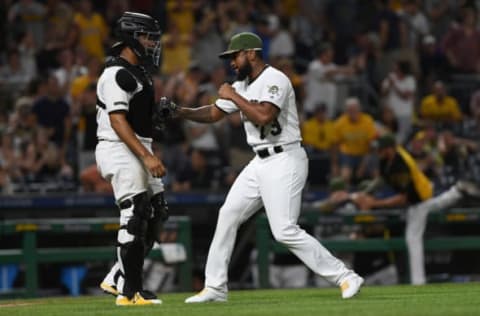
{"points": [[162, 112]]}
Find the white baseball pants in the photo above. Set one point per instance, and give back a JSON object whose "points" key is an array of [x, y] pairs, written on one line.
{"points": [[127, 174], [129, 177], [415, 227], [276, 182]]}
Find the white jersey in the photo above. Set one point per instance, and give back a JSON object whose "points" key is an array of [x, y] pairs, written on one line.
{"points": [[271, 86], [111, 97]]}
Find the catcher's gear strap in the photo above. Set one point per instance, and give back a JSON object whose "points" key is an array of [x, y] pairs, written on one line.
{"points": [[160, 206], [136, 71], [160, 215], [134, 215]]}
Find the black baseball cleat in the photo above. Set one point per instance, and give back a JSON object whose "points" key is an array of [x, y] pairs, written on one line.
{"points": [[468, 189]]}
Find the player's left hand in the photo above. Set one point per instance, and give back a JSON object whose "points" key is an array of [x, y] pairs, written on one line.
{"points": [[155, 166], [226, 91]]}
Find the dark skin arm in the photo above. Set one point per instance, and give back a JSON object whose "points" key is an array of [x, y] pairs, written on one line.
{"points": [[120, 125], [258, 113], [204, 114]]}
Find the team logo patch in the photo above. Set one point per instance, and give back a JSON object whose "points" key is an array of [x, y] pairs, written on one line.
{"points": [[273, 90]]}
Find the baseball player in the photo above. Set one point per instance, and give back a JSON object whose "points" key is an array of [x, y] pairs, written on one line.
{"points": [[274, 178], [125, 107], [413, 189]]}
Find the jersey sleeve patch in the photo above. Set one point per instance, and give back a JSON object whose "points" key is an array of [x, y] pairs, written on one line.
{"points": [[273, 91], [125, 80], [277, 90], [273, 96]]}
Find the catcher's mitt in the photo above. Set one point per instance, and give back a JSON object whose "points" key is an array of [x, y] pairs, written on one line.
{"points": [[163, 111]]}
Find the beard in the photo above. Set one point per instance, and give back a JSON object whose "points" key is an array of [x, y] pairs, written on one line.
{"points": [[244, 71]]}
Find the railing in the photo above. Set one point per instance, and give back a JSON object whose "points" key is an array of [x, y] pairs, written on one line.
{"points": [[31, 256], [265, 244]]}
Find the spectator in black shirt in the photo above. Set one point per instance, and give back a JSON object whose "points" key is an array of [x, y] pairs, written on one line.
{"points": [[196, 175], [53, 113]]}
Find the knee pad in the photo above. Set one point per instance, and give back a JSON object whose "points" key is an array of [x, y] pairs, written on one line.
{"points": [[134, 215], [139, 205], [159, 206], [137, 227], [160, 215]]}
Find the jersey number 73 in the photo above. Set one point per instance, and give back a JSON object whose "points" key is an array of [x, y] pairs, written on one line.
{"points": [[274, 128]]}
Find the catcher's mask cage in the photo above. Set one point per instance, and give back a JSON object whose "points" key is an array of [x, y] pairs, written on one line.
{"points": [[142, 34]]}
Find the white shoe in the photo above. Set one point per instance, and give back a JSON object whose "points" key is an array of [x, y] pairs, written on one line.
{"points": [[207, 295], [351, 286]]}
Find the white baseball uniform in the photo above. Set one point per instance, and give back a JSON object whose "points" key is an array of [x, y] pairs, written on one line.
{"points": [[274, 181], [115, 161]]}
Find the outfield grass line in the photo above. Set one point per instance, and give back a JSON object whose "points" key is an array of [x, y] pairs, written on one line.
{"points": [[404, 300]]}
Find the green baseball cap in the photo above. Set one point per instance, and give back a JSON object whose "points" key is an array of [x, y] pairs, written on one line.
{"points": [[242, 41]]}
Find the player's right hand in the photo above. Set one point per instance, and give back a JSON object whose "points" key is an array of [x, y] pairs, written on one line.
{"points": [[155, 166], [226, 91]]}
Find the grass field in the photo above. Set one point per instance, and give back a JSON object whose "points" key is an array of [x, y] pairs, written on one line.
{"points": [[438, 300]]}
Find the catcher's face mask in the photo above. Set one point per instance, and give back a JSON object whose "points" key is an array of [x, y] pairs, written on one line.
{"points": [[152, 44]]}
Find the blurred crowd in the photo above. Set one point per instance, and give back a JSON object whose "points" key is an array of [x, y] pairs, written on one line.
{"points": [[359, 68]]}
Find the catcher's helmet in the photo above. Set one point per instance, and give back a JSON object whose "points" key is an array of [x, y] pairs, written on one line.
{"points": [[142, 34]]}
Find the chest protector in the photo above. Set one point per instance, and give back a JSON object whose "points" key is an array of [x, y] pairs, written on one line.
{"points": [[140, 108]]}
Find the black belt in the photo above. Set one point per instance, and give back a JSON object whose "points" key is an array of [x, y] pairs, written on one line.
{"points": [[264, 153]]}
